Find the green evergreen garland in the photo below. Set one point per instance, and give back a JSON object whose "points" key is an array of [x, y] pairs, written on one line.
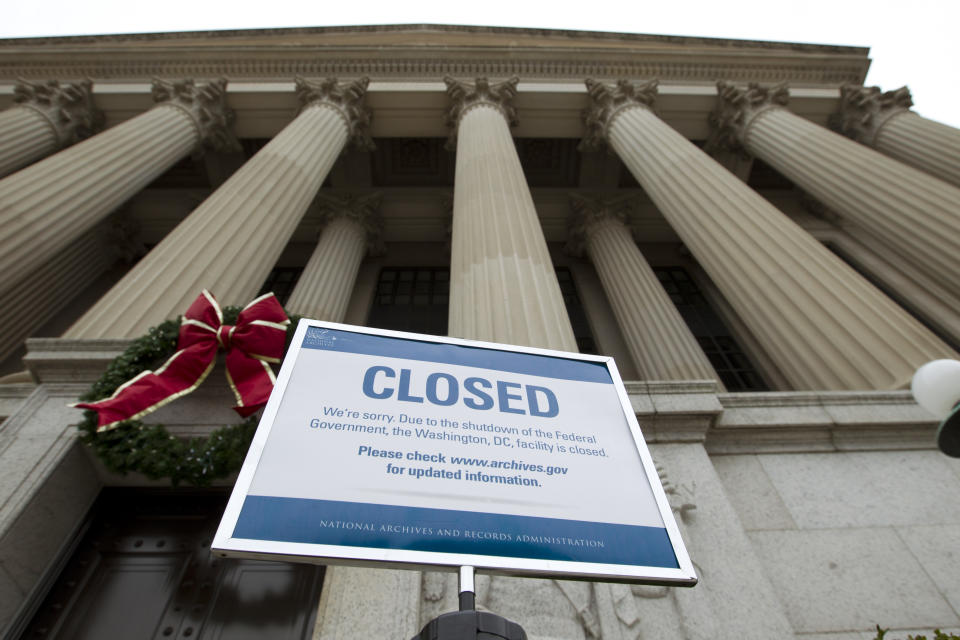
{"points": [[150, 449]]}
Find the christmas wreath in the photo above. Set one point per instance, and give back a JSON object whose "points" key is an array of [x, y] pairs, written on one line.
{"points": [[130, 445]]}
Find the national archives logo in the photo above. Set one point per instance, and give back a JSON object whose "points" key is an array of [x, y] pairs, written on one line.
{"points": [[321, 338]]}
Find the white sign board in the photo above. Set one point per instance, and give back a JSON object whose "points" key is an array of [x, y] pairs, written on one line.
{"points": [[386, 447]]}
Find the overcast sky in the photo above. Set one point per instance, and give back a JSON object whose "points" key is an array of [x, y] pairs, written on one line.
{"points": [[913, 43]]}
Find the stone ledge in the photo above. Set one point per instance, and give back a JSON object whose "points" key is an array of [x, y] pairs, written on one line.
{"points": [[795, 422], [12, 396], [53, 360], [674, 411]]}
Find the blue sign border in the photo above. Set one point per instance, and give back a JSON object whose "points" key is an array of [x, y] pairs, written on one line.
{"points": [[497, 360], [382, 526]]}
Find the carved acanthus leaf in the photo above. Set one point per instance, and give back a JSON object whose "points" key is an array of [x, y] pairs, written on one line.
{"points": [[206, 105], [348, 99], [362, 208], [465, 96], [607, 101], [864, 110], [680, 497], [69, 109], [433, 586], [590, 211], [737, 108]]}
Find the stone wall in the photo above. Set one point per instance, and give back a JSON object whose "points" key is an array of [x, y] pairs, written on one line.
{"points": [[855, 539]]}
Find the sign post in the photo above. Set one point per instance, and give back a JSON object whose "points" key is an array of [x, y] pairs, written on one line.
{"points": [[381, 448]]}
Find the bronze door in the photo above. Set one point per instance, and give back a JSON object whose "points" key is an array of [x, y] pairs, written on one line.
{"points": [[143, 569]]}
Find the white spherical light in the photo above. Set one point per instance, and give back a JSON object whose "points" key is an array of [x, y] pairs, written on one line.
{"points": [[936, 386]]}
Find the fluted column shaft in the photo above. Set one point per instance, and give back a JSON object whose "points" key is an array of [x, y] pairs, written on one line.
{"points": [[323, 290], [46, 117], [883, 120], [46, 205], [503, 287], [925, 144], [905, 207], [658, 338], [25, 136], [822, 323], [231, 241], [36, 299], [51, 203]]}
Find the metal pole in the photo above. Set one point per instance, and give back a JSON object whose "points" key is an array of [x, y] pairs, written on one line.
{"points": [[468, 623], [468, 593]]}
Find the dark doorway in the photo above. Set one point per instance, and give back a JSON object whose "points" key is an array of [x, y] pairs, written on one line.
{"points": [[725, 354], [412, 299], [143, 569]]}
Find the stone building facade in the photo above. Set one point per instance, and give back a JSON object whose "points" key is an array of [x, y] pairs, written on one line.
{"points": [[762, 243]]}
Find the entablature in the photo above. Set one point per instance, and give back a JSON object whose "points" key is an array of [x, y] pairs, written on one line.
{"points": [[417, 108]]}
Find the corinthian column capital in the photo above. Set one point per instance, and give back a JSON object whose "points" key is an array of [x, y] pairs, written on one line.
{"points": [[69, 109], [465, 96], [606, 102], [737, 109], [205, 104], [361, 208], [347, 99], [590, 212], [864, 110]]}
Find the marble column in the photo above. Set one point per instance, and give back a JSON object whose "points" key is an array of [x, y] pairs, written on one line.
{"points": [[822, 323], [29, 304], [353, 227], [231, 241], [659, 341], [53, 202], [45, 117], [503, 287], [905, 207], [883, 120]]}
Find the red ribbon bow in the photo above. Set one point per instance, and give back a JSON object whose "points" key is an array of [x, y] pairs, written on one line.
{"points": [[256, 340]]}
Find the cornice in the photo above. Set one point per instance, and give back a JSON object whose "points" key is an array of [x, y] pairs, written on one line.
{"points": [[510, 33], [429, 51]]}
